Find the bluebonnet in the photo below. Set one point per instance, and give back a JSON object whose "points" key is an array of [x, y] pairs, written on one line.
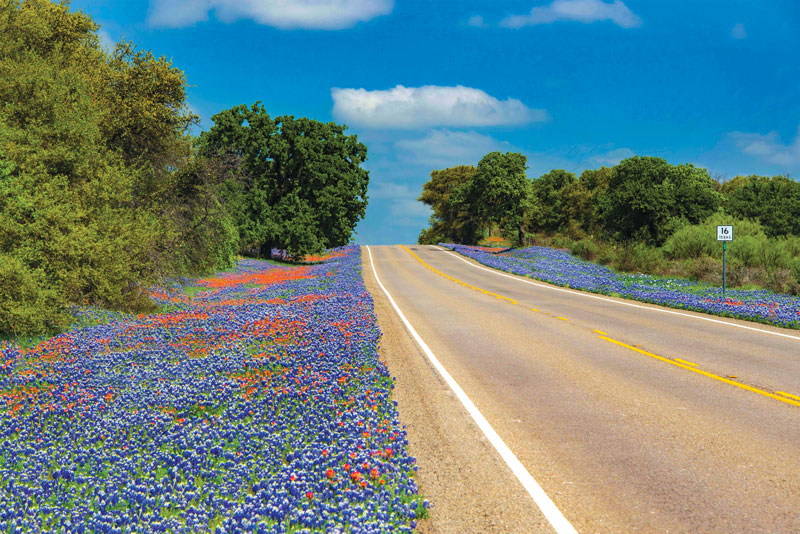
{"points": [[224, 413], [561, 268]]}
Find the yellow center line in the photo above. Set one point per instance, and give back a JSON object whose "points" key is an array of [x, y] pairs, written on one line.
{"points": [[599, 332], [686, 362], [704, 373], [562, 318], [788, 395], [437, 271]]}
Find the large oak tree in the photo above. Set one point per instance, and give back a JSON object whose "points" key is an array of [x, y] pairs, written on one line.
{"points": [[301, 187]]}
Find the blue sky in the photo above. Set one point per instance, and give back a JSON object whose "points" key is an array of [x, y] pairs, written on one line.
{"points": [[427, 84]]}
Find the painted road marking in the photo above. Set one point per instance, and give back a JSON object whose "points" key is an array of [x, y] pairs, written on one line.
{"points": [[456, 280], [704, 373], [788, 395], [621, 303], [545, 504], [677, 361], [599, 332]]}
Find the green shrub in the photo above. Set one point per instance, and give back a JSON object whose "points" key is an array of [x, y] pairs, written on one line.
{"points": [[28, 305], [691, 242], [585, 248], [607, 254], [747, 250], [647, 259]]}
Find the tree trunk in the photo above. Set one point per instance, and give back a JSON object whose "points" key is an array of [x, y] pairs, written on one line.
{"points": [[521, 236], [265, 251]]}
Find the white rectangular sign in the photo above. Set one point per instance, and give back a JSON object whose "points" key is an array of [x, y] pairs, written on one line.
{"points": [[724, 233]]}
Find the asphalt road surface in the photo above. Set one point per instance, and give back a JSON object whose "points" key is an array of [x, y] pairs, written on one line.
{"points": [[631, 419]]}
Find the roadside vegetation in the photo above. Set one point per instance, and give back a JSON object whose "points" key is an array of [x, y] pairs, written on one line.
{"points": [[257, 404], [643, 215], [105, 192]]}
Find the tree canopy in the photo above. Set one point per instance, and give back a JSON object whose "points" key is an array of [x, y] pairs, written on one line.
{"points": [[647, 198], [447, 220], [300, 183], [773, 201], [95, 196], [499, 192]]}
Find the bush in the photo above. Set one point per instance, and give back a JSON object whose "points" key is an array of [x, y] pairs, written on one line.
{"points": [[607, 254], [28, 306], [647, 259], [690, 242], [585, 248]]}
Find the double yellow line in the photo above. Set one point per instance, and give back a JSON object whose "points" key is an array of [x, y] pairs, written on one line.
{"points": [[782, 396]]}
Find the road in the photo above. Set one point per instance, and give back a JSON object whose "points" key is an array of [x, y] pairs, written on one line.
{"points": [[629, 418]]}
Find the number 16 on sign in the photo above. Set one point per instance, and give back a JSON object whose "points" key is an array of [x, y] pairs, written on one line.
{"points": [[724, 234]]}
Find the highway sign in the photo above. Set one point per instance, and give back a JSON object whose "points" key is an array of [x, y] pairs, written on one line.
{"points": [[725, 233]]}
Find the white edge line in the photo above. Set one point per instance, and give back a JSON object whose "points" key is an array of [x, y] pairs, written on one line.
{"points": [[545, 504], [587, 295]]}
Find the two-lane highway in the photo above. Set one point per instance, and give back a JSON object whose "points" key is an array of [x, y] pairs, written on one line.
{"points": [[631, 418]]}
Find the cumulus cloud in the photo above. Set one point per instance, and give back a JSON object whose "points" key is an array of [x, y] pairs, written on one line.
{"points": [[770, 148], [429, 106], [576, 10], [440, 149], [284, 14], [739, 31]]}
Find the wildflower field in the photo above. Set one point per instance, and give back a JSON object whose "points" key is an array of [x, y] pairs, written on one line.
{"points": [[254, 403], [561, 268]]}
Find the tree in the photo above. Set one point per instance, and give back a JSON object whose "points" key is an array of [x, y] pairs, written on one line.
{"points": [[549, 190], [447, 223], [647, 199], [300, 186], [580, 199], [499, 192], [94, 206], [773, 201]]}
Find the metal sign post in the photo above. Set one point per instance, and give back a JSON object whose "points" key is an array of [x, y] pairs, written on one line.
{"points": [[724, 234]]}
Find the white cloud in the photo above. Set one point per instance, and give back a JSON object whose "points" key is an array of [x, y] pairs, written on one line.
{"points": [[440, 149], [576, 10], [612, 157], [284, 14], [429, 106], [477, 21], [770, 148], [739, 31]]}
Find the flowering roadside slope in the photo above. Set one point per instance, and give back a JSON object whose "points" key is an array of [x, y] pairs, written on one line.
{"points": [[563, 269], [258, 405]]}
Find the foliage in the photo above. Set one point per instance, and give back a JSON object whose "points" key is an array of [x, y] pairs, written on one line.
{"points": [[27, 304], [300, 186], [499, 192], [561, 268], [260, 405], [774, 202], [447, 222], [647, 198], [94, 205], [549, 191]]}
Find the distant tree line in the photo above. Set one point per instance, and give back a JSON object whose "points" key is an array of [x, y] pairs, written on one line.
{"points": [[637, 215], [104, 192]]}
